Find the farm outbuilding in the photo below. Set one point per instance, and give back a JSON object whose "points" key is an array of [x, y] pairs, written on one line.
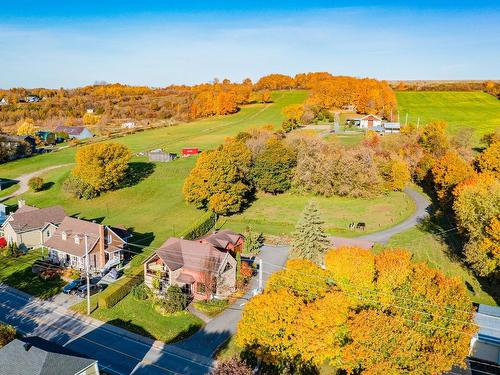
{"points": [[161, 156], [370, 120], [188, 151]]}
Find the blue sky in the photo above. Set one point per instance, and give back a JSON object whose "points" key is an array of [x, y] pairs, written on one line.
{"points": [[73, 43]]}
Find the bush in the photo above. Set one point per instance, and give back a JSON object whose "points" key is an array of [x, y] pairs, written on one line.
{"points": [[119, 290], [140, 292], [79, 188], [212, 307], [175, 300], [36, 183], [7, 334], [201, 227], [232, 366]]}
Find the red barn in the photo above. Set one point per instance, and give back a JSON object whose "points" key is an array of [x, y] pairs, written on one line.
{"points": [[188, 151]]}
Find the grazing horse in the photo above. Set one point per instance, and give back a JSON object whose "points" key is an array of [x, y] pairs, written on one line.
{"points": [[361, 226], [352, 226]]}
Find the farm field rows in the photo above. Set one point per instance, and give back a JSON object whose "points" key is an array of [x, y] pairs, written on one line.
{"points": [[476, 110]]}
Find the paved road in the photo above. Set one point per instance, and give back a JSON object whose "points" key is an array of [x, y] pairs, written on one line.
{"points": [[422, 211], [22, 181], [120, 351]]}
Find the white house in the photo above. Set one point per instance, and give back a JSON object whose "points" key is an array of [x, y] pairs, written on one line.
{"points": [[369, 120], [4, 101], [392, 127], [128, 125]]}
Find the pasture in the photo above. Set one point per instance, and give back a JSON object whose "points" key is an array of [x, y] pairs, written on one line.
{"points": [[476, 110]]}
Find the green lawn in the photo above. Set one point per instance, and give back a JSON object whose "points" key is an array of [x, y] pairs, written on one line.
{"points": [[278, 214], [207, 133], [16, 272], [476, 110], [141, 317], [429, 248]]}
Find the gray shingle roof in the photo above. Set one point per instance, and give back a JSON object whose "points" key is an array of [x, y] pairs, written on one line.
{"points": [[29, 218], [222, 238], [41, 358]]}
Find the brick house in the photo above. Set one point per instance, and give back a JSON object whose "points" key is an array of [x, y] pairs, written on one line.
{"points": [[199, 268], [106, 244]]}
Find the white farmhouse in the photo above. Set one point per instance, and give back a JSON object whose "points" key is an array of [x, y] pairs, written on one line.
{"points": [[369, 120]]}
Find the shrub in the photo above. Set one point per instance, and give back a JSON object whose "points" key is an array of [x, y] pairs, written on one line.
{"points": [[79, 188], [140, 292], [232, 366], [36, 183], [119, 290], [246, 271], [201, 227], [7, 334], [175, 300], [212, 307]]}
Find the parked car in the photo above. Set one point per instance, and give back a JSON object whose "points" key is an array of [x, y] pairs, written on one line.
{"points": [[73, 286], [82, 291], [114, 274]]}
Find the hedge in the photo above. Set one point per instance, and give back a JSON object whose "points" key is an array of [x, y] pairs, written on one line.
{"points": [[119, 290], [201, 227]]}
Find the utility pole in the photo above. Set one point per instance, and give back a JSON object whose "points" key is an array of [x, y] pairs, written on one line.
{"points": [[260, 276], [87, 273]]}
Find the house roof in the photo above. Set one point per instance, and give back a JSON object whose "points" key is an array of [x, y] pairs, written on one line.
{"points": [[36, 356], [392, 125], [222, 238], [370, 116], [486, 346], [71, 130], [29, 218], [177, 253], [351, 242]]}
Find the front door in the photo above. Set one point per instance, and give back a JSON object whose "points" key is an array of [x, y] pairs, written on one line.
{"points": [[186, 288]]}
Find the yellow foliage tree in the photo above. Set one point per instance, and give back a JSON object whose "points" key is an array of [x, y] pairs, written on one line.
{"points": [[489, 159], [102, 165], [294, 112], [27, 127], [90, 119]]}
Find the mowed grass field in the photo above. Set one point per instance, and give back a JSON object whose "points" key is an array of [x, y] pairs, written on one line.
{"points": [[476, 110], [278, 214]]}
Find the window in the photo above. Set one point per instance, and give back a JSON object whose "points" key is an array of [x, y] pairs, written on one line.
{"points": [[228, 267], [200, 288], [77, 240], [64, 236], [48, 233], [109, 238]]}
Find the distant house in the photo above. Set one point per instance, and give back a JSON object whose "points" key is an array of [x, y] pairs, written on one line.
{"points": [[36, 356], [32, 99], [4, 101], [369, 120], [78, 132], [46, 137], [128, 125], [106, 244], [190, 265], [349, 107], [392, 127], [484, 355], [14, 147], [90, 110], [188, 151], [161, 156], [31, 226]]}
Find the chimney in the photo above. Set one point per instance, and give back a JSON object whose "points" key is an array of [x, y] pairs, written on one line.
{"points": [[102, 259], [21, 203]]}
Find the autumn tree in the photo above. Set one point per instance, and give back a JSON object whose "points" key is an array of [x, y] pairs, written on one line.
{"points": [[448, 172], [434, 138], [396, 174], [273, 167], [309, 240], [489, 159], [90, 119], [275, 82], [219, 179], [103, 166], [294, 112], [27, 127]]}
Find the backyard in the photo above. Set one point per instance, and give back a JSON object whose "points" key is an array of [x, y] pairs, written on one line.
{"points": [[476, 110], [278, 214]]}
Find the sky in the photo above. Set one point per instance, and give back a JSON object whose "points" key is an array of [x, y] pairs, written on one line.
{"points": [[157, 43]]}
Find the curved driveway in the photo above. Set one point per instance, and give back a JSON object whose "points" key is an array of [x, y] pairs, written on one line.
{"points": [[422, 211]]}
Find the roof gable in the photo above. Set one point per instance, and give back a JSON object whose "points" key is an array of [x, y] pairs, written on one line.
{"points": [[371, 117], [31, 218]]}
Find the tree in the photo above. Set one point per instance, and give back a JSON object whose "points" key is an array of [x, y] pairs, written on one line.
{"points": [[253, 241], [27, 127], [293, 112], [7, 334], [309, 240], [396, 174], [232, 366], [102, 165], [434, 138], [219, 179], [90, 119], [448, 172], [36, 183], [484, 254], [273, 167], [489, 159], [289, 124]]}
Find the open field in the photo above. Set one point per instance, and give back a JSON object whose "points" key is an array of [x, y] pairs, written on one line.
{"points": [[475, 110], [278, 214], [431, 249]]}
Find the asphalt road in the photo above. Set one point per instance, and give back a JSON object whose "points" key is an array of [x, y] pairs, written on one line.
{"points": [[119, 351], [422, 211]]}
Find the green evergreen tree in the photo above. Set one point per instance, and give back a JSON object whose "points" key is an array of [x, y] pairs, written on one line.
{"points": [[309, 240]]}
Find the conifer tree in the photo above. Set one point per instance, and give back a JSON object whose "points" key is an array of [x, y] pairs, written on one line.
{"points": [[309, 240]]}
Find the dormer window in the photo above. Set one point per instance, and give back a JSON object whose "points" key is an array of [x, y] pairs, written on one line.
{"points": [[64, 236], [77, 240]]}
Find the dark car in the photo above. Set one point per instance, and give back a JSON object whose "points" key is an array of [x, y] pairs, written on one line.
{"points": [[82, 291], [72, 287]]}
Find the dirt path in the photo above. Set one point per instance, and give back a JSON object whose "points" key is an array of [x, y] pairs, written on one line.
{"points": [[22, 181]]}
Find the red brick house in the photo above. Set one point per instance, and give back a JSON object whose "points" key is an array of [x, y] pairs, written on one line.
{"points": [[199, 268]]}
